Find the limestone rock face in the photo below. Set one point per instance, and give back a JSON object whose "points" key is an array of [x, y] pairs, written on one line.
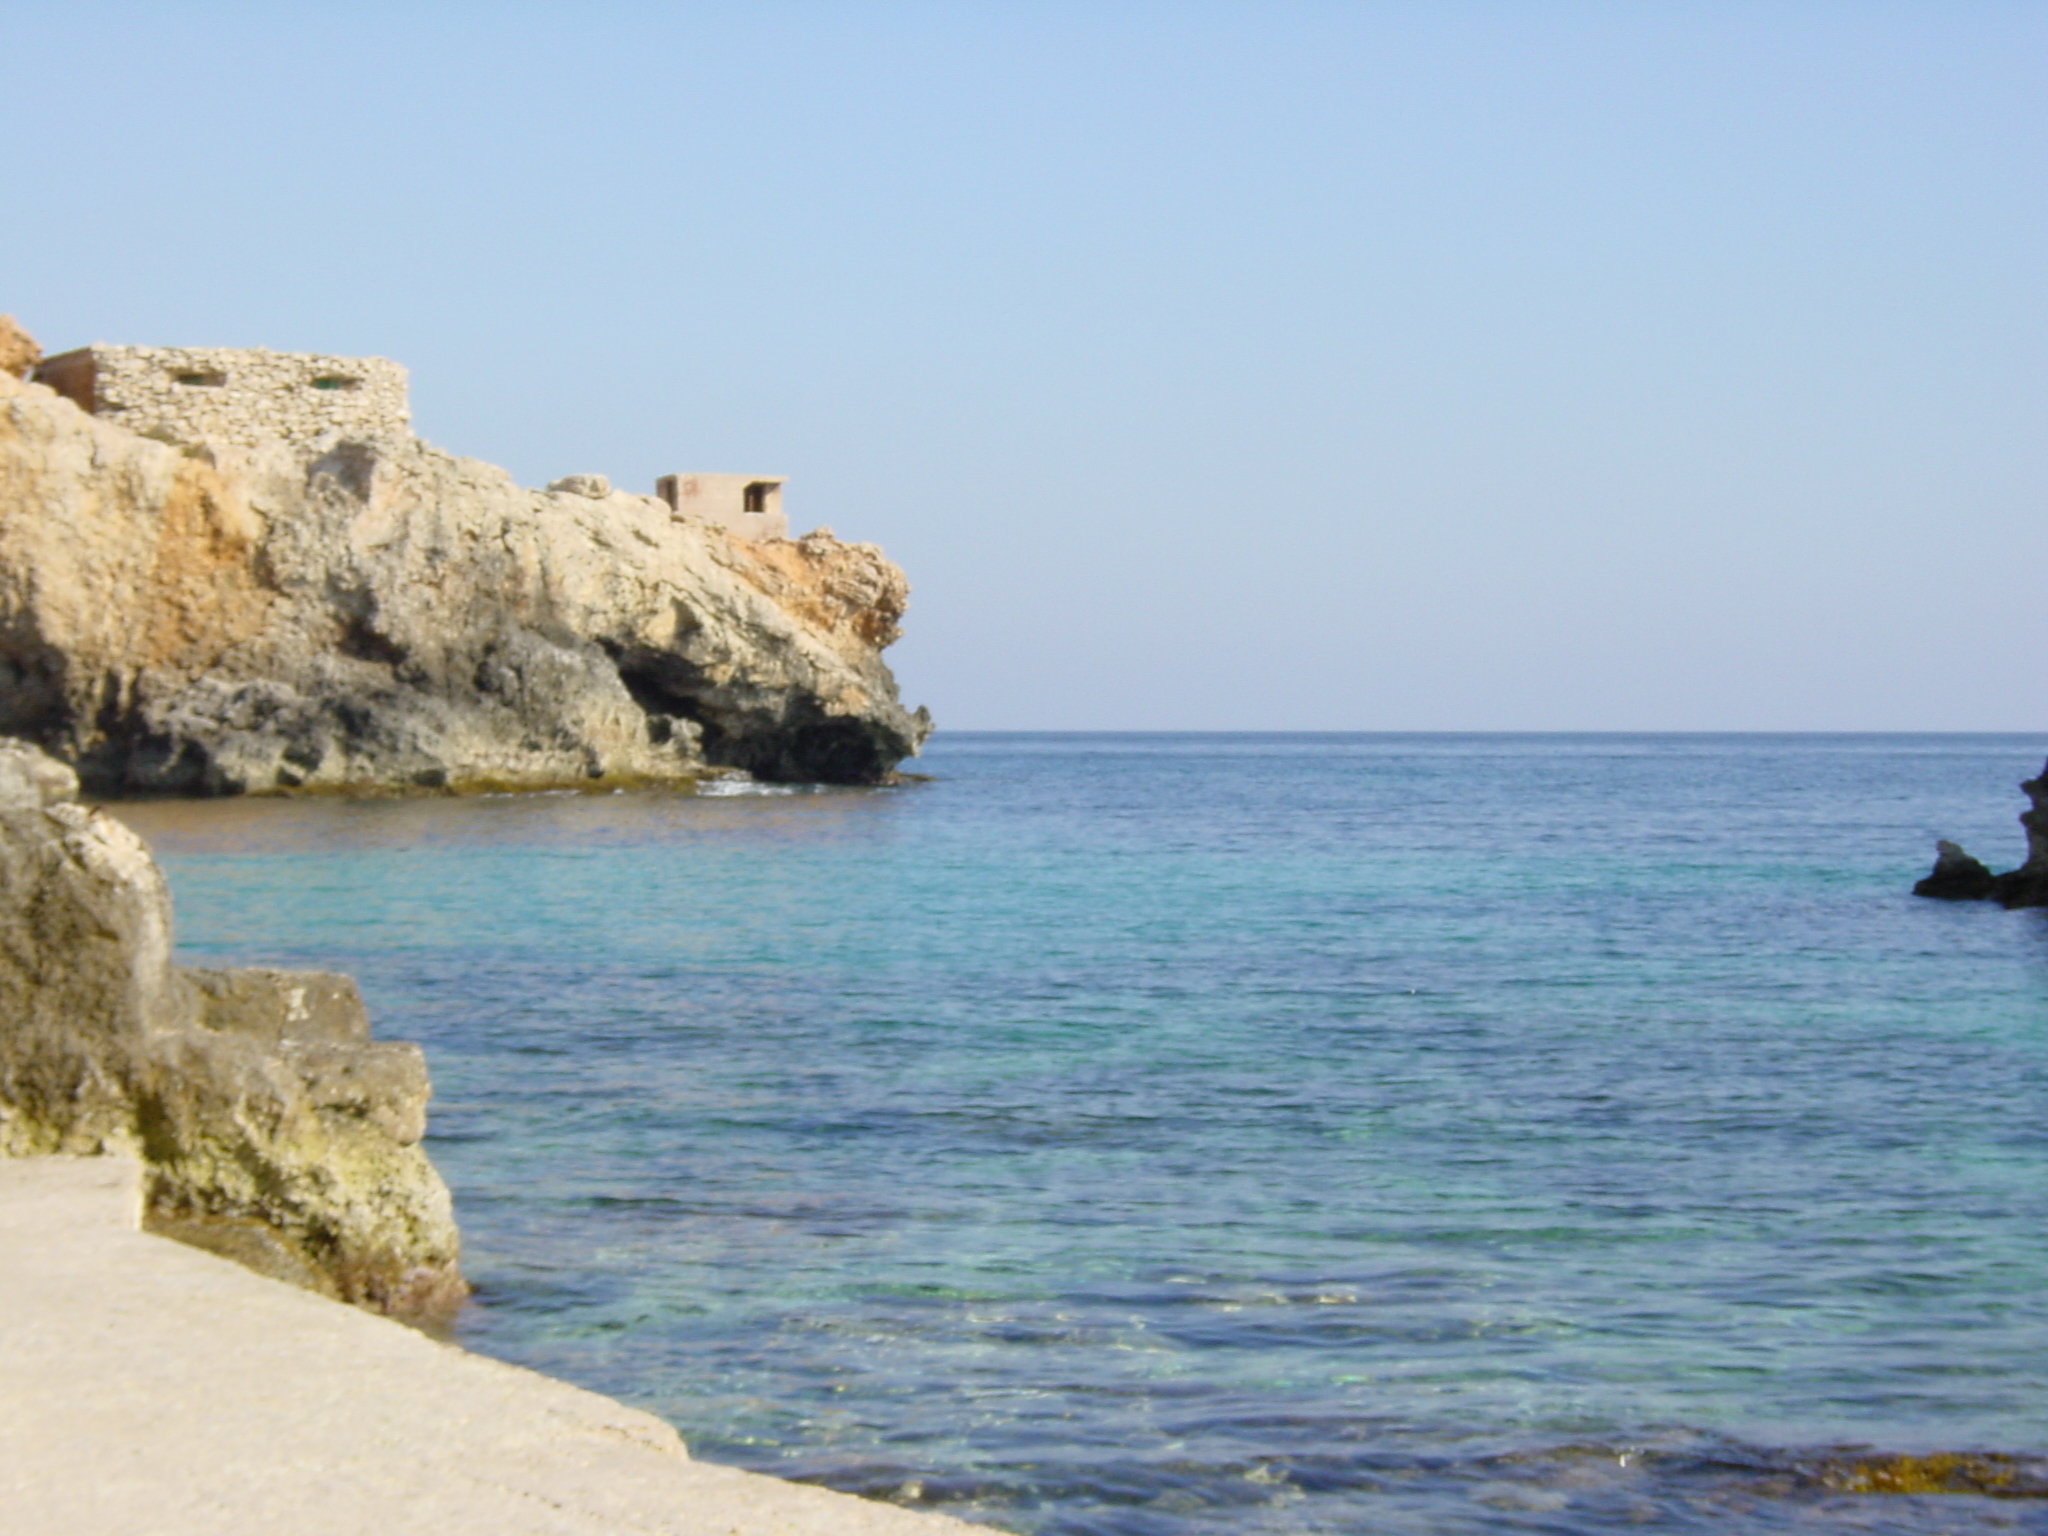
{"points": [[274, 1128], [375, 614]]}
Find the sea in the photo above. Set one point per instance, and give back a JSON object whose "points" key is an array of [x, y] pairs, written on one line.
{"points": [[1163, 1135]]}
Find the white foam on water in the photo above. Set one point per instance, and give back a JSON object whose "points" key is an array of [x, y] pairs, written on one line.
{"points": [[743, 787]]}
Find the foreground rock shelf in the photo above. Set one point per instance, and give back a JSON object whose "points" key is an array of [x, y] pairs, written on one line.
{"points": [[275, 1129], [154, 1387]]}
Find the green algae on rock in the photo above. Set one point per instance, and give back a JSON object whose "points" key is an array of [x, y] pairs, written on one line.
{"points": [[1979, 1472], [272, 1126]]}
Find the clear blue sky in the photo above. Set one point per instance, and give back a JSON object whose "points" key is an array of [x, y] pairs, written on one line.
{"points": [[1260, 366]]}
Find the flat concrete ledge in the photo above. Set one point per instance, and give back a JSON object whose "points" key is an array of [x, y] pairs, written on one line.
{"points": [[146, 1387]]}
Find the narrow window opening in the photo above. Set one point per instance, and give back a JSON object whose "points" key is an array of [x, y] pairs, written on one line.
{"points": [[203, 380], [336, 381]]}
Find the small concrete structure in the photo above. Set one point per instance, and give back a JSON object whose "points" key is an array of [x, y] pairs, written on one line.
{"points": [[749, 505], [194, 395], [150, 1387]]}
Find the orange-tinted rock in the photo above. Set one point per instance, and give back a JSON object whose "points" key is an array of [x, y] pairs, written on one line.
{"points": [[369, 614], [18, 349]]}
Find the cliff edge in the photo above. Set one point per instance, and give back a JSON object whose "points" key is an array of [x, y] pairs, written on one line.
{"points": [[365, 612], [272, 1127]]}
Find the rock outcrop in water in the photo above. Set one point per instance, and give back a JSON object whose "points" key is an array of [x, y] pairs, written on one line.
{"points": [[370, 613], [1958, 877], [273, 1127]]}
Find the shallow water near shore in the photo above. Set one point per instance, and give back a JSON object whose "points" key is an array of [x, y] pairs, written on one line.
{"points": [[1188, 1134]]}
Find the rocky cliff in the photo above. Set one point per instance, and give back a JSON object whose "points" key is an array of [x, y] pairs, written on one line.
{"points": [[1958, 877], [273, 1127], [373, 613]]}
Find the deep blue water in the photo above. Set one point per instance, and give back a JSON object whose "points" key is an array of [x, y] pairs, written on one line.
{"points": [[1188, 1134]]}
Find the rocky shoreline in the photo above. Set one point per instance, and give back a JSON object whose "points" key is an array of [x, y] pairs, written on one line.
{"points": [[273, 1128], [1957, 876], [356, 611], [239, 572], [315, 611]]}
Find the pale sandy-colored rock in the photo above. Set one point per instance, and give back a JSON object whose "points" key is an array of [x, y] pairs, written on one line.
{"points": [[376, 614], [273, 1127], [152, 1388], [31, 780]]}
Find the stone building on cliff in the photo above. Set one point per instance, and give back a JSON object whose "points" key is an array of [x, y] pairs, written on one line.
{"points": [[192, 395], [749, 505], [357, 611], [245, 396]]}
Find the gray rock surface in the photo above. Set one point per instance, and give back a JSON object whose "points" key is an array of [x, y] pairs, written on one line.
{"points": [[273, 1127], [373, 614]]}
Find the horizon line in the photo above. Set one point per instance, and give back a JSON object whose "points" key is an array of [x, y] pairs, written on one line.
{"points": [[1031, 730]]}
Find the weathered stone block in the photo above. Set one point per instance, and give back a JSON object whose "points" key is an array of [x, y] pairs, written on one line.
{"points": [[197, 396], [308, 1007]]}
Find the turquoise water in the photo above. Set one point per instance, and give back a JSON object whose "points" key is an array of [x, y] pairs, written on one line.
{"points": [[1188, 1134]]}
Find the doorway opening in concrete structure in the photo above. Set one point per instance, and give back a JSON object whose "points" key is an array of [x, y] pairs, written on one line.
{"points": [[755, 497]]}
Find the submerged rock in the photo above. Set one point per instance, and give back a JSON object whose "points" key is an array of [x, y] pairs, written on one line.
{"points": [[1958, 877], [1980, 1472], [364, 613], [273, 1127]]}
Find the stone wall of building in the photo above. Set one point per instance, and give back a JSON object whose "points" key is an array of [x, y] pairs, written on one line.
{"points": [[195, 395], [748, 505]]}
